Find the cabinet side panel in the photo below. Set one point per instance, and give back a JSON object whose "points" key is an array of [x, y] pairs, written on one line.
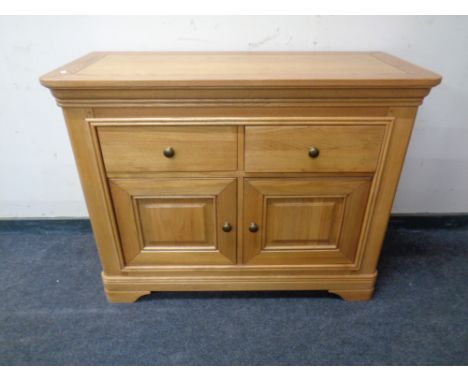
{"points": [[94, 187], [403, 125]]}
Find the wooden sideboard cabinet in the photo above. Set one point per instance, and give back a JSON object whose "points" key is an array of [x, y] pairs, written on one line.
{"points": [[239, 171]]}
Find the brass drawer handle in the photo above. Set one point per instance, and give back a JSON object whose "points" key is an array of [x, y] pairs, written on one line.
{"points": [[314, 152], [253, 227], [227, 227], [169, 152]]}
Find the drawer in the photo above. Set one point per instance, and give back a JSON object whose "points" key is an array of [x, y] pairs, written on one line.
{"points": [[168, 148], [330, 148]]}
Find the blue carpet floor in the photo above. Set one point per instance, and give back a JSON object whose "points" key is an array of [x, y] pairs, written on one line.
{"points": [[53, 310]]}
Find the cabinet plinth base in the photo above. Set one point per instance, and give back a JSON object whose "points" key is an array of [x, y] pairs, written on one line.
{"points": [[124, 296], [120, 289], [354, 295]]}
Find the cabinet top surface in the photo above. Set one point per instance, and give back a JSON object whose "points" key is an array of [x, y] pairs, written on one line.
{"points": [[221, 69]]}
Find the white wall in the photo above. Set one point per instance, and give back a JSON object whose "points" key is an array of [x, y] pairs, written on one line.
{"points": [[37, 172]]}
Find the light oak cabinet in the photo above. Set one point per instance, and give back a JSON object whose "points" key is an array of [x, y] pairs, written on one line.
{"points": [[239, 171]]}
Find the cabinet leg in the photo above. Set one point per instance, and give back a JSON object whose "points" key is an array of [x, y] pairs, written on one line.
{"points": [[354, 295], [124, 296]]}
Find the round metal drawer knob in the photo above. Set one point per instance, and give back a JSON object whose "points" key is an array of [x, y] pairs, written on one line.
{"points": [[169, 152], [314, 152], [227, 227], [253, 227]]}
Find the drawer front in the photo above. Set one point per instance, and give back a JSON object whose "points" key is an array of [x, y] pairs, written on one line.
{"points": [[347, 148], [168, 148]]}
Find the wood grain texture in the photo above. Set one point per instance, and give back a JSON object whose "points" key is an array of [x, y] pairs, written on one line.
{"points": [[351, 287], [386, 188], [354, 295], [140, 148], [169, 223], [149, 69], [302, 213], [286, 148], [241, 125], [217, 99], [124, 296], [92, 176], [309, 222], [176, 221]]}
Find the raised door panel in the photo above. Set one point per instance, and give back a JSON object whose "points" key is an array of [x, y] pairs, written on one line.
{"points": [[176, 221], [169, 223], [303, 221]]}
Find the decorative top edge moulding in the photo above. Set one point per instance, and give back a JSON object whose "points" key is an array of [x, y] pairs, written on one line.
{"points": [[140, 70]]}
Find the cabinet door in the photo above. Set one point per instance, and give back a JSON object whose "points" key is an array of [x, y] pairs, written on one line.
{"points": [[176, 221], [303, 221]]}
